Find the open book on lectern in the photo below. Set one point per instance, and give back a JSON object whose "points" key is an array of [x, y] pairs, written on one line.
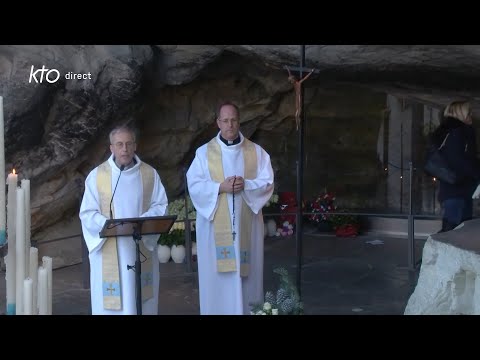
{"points": [[142, 226]]}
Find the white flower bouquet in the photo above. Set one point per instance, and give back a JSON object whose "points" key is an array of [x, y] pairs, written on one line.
{"points": [[285, 301], [272, 201], [267, 309], [177, 207], [177, 232]]}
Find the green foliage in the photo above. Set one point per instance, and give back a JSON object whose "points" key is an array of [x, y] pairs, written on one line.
{"points": [[285, 301], [175, 237], [165, 240]]}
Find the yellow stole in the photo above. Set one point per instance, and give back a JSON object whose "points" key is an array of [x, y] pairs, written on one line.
{"points": [[222, 223], [112, 294]]}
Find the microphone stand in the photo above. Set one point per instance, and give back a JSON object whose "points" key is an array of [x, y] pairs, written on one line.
{"points": [[137, 237], [134, 227]]}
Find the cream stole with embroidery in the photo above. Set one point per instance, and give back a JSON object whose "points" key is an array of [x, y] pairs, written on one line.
{"points": [[111, 285], [222, 223]]}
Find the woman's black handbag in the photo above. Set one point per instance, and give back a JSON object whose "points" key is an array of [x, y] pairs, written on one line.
{"points": [[437, 166]]}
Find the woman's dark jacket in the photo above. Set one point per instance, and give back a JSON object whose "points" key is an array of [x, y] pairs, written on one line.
{"points": [[460, 151]]}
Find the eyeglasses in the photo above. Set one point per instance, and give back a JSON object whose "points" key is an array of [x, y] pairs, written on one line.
{"points": [[227, 121], [120, 145]]}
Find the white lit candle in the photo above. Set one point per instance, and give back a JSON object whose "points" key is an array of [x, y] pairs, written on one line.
{"points": [[3, 216], [33, 274], [25, 185], [27, 296], [11, 215], [47, 264], [10, 278], [42, 297], [20, 250]]}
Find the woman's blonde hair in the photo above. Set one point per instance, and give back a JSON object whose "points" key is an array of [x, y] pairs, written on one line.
{"points": [[459, 110]]}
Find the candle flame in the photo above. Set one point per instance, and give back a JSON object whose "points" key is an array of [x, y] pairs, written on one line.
{"points": [[13, 171]]}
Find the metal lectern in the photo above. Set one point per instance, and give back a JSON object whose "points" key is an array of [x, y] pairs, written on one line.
{"points": [[136, 227]]}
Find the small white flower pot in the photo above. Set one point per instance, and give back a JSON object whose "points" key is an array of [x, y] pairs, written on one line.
{"points": [[271, 227], [178, 253], [163, 252]]}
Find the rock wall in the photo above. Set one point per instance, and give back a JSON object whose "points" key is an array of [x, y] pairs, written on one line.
{"points": [[57, 132]]}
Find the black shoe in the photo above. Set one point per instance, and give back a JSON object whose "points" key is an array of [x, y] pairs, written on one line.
{"points": [[447, 226]]}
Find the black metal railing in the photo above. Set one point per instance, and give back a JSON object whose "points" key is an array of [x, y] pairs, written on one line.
{"points": [[413, 263]]}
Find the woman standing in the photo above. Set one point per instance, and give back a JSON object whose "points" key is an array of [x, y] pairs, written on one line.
{"points": [[460, 151]]}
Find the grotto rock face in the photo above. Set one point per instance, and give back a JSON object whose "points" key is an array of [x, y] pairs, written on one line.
{"points": [[51, 128], [57, 132]]}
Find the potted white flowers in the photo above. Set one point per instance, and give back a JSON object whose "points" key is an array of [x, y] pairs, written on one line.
{"points": [[163, 249], [175, 239], [177, 207]]}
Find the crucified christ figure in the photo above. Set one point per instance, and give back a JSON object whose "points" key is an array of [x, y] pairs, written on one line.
{"points": [[297, 86]]}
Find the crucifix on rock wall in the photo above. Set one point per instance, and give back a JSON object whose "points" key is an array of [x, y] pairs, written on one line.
{"points": [[297, 87]]}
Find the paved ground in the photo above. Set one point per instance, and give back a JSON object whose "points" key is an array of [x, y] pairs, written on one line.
{"points": [[339, 276]]}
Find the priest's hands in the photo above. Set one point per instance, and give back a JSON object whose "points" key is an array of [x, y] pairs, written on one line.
{"points": [[232, 184]]}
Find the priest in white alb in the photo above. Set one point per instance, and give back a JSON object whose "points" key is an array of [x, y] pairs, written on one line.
{"points": [[122, 187], [229, 181]]}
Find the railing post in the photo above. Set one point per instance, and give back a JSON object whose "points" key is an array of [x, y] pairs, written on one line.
{"points": [[85, 265], [85, 258], [411, 224]]}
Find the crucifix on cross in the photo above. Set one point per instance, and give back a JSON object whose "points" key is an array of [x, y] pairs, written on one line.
{"points": [[297, 87]]}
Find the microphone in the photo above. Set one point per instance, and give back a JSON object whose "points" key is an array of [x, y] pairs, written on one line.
{"points": [[111, 201]]}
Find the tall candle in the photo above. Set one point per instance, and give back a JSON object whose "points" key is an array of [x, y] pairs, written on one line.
{"points": [[47, 264], [3, 204], [27, 296], [11, 215], [33, 274], [10, 277], [25, 185], [20, 250], [42, 297]]}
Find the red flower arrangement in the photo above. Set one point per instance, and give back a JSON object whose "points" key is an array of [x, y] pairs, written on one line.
{"points": [[321, 206], [350, 230]]}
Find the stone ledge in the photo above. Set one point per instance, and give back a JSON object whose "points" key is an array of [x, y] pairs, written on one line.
{"points": [[449, 280]]}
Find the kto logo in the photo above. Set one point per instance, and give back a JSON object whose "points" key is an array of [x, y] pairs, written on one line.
{"points": [[51, 75]]}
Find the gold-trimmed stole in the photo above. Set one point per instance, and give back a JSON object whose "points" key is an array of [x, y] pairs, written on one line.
{"points": [[222, 223], [111, 285]]}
